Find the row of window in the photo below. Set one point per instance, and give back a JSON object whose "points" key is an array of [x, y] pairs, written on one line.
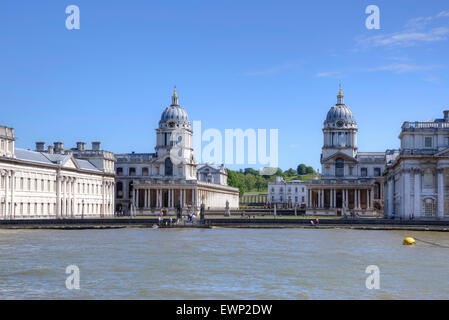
{"points": [[28, 184], [377, 172], [281, 190], [50, 208], [281, 199]]}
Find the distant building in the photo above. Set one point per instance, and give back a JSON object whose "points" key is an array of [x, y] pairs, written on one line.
{"points": [[417, 175], [54, 182], [287, 194], [254, 199], [351, 181], [170, 177]]}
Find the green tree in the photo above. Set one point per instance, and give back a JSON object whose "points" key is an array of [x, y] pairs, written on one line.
{"points": [[290, 173], [310, 170], [301, 169], [236, 180], [251, 171], [261, 183], [250, 181]]}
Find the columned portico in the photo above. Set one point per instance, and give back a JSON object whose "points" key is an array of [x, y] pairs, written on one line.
{"points": [[332, 199]]}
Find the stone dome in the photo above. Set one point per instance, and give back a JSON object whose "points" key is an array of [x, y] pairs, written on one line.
{"points": [[340, 112], [174, 115], [340, 115]]}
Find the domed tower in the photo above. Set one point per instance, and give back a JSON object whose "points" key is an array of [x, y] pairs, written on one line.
{"points": [[340, 137], [174, 135]]}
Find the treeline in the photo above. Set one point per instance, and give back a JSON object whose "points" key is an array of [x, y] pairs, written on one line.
{"points": [[249, 179]]}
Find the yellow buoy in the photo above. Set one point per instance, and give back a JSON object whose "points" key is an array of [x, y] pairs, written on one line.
{"points": [[408, 241]]}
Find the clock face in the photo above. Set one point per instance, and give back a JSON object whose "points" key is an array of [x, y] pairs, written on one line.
{"points": [[340, 123]]}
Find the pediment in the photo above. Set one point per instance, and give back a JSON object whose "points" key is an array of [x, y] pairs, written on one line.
{"points": [[70, 163], [340, 155], [443, 153]]}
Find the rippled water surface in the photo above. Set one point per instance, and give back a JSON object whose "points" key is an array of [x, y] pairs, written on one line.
{"points": [[222, 264]]}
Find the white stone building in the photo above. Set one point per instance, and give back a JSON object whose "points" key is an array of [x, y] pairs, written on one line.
{"points": [[170, 177], [351, 181], [287, 194], [54, 183], [417, 175]]}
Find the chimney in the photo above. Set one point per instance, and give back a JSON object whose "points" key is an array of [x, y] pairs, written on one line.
{"points": [[96, 146], [40, 146], [446, 115], [59, 147], [51, 149], [81, 146]]}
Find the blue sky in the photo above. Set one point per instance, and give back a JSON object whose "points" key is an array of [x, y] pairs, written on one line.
{"points": [[236, 64]]}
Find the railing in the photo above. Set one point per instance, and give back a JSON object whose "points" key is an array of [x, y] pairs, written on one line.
{"points": [[410, 126], [409, 152], [134, 157]]}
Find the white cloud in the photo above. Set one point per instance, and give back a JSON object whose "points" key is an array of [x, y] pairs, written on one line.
{"points": [[406, 38], [403, 68], [415, 31], [330, 74], [443, 14]]}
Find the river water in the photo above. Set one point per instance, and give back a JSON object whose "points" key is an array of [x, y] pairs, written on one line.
{"points": [[222, 264]]}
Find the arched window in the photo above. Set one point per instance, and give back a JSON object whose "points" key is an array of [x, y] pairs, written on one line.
{"points": [[168, 167], [340, 167]]}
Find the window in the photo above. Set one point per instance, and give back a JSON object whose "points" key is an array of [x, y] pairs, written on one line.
{"points": [[168, 167], [281, 190], [428, 142], [428, 180], [377, 172], [132, 171], [144, 171], [364, 172], [340, 167], [429, 207], [119, 171]]}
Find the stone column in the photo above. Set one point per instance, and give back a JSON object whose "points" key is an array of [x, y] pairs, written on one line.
{"points": [[319, 198], [440, 193], [6, 195], [368, 199], [335, 198], [347, 198], [359, 200], [13, 188], [406, 194], [390, 194], [58, 195], [184, 198], [371, 205], [417, 202]]}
